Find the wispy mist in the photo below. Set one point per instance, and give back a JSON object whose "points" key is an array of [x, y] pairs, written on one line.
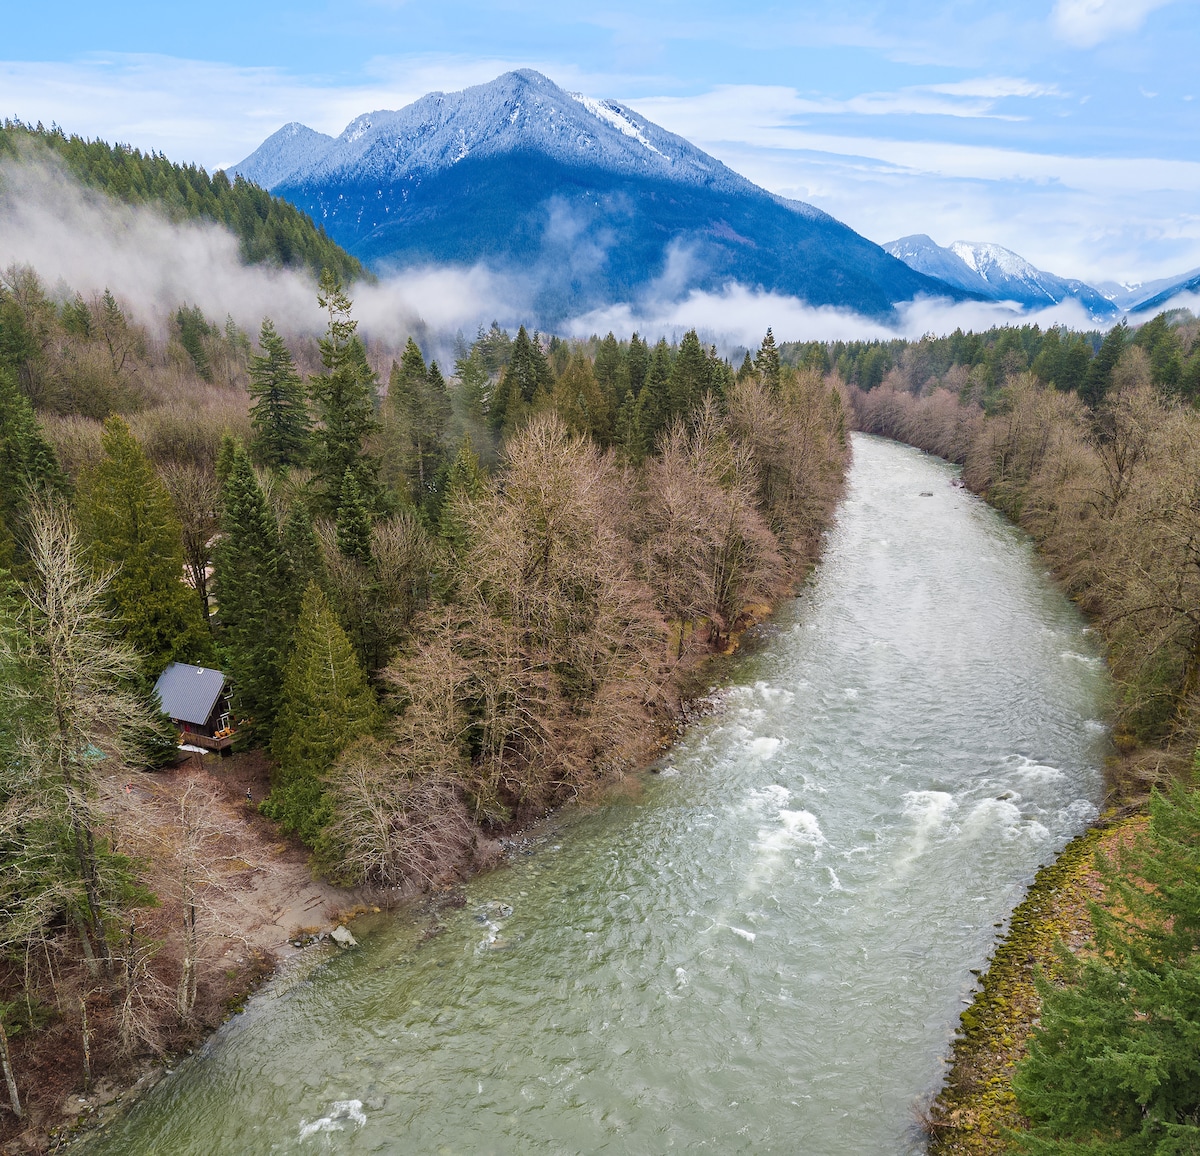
{"points": [[82, 240]]}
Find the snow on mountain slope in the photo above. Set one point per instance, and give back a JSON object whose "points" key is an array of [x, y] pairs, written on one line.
{"points": [[996, 272], [293, 147], [585, 199]]}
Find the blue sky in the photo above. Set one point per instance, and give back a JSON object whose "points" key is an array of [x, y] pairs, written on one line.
{"points": [[1064, 129]]}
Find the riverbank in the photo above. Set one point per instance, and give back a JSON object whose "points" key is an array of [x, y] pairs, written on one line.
{"points": [[261, 908], [1032, 461], [976, 1105]]}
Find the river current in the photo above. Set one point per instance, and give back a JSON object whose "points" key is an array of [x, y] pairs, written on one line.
{"points": [[765, 950]]}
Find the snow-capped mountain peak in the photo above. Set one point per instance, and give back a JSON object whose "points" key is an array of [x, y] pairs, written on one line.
{"points": [[993, 271]]}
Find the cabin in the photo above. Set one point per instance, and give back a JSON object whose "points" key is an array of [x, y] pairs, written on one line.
{"points": [[196, 700]]}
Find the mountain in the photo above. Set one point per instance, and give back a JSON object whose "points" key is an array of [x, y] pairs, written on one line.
{"points": [[282, 153], [997, 273], [586, 201], [1151, 295]]}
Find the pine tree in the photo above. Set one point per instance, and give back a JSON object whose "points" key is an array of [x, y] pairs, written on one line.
{"points": [[690, 378], [1114, 1065], [611, 371], [767, 362], [303, 554], [418, 411], [344, 398], [464, 484], [579, 399], [637, 361], [354, 522], [747, 368], [1099, 373], [28, 466], [252, 580], [326, 704], [279, 414], [526, 378], [473, 380], [134, 534]]}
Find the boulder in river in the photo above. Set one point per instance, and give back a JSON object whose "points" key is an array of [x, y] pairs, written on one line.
{"points": [[342, 937]]}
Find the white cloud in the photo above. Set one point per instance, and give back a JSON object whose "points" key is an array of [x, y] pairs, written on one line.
{"points": [[1086, 23], [738, 316], [80, 239]]}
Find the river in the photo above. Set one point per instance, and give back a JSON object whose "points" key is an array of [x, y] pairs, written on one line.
{"points": [[764, 950]]}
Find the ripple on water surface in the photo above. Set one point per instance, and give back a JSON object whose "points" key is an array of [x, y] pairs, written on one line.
{"points": [[768, 950]]}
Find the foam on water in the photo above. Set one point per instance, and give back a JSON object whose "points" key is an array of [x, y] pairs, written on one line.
{"points": [[341, 1113]]}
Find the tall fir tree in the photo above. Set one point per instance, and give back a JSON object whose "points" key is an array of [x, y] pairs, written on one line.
{"points": [[326, 704], [28, 466], [637, 361], [129, 520], [767, 362], [1098, 379], [344, 399], [691, 377], [279, 415], [526, 378], [611, 370], [354, 522], [464, 483], [253, 588], [418, 411]]}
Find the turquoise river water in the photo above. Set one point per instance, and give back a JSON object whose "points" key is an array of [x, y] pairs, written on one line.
{"points": [[768, 948]]}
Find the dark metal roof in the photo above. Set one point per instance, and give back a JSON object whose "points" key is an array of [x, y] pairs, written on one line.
{"points": [[189, 693]]}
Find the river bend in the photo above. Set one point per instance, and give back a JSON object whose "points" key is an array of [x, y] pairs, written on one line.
{"points": [[768, 948]]}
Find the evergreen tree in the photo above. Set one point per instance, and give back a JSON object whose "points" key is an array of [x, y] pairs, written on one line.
{"points": [[28, 466], [279, 414], [192, 329], [253, 580], [134, 534], [344, 399], [690, 378], [637, 361], [747, 368], [418, 412], [580, 400], [303, 554], [326, 704], [473, 379], [526, 377], [1114, 1065], [1099, 374], [354, 522], [629, 434], [767, 362], [464, 483], [611, 372]]}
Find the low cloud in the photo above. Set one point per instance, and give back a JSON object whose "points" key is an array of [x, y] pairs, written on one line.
{"points": [[81, 241], [85, 242], [738, 317]]}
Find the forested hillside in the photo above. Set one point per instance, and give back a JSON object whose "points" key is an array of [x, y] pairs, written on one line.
{"points": [[1101, 467], [976, 366], [446, 599], [270, 230]]}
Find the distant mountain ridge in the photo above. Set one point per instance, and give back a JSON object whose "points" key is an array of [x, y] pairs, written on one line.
{"points": [[585, 199], [996, 273]]}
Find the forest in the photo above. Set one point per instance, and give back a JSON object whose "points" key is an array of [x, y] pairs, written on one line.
{"points": [[269, 229], [1103, 474], [446, 600]]}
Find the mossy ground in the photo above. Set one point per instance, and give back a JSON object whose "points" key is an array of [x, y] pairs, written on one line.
{"points": [[976, 1105]]}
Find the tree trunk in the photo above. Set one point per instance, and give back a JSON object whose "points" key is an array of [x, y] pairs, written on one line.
{"points": [[9, 1078]]}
